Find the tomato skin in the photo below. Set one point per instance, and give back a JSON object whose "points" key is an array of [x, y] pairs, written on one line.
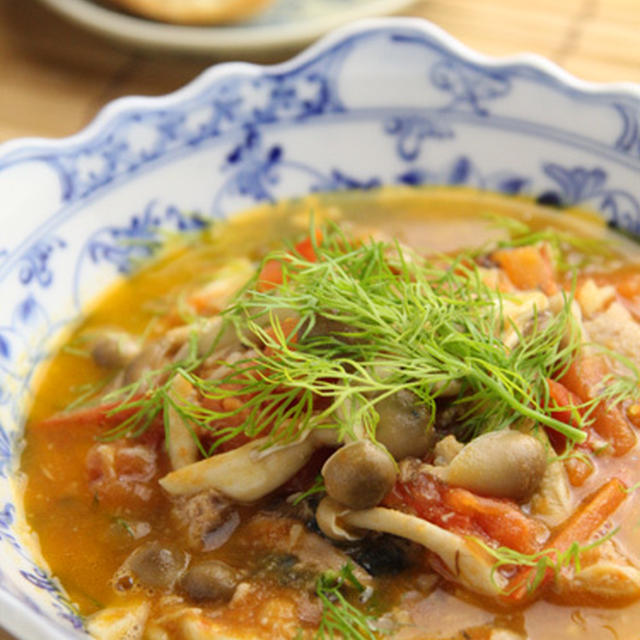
{"points": [[495, 520], [424, 496], [528, 267], [271, 275]]}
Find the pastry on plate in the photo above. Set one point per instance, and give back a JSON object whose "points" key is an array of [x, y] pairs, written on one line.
{"points": [[194, 11]]}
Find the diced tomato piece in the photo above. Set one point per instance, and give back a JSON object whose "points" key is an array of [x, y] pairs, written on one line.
{"points": [[271, 275], [423, 495], [528, 267], [563, 403], [493, 519], [122, 472], [306, 247]]}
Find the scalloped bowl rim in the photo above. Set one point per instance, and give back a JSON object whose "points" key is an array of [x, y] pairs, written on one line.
{"points": [[107, 114], [15, 616]]}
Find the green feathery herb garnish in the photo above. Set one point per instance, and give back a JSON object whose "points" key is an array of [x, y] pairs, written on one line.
{"points": [[86, 392], [316, 488], [340, 618], [410, 323], [541, 562], [121, 522]]}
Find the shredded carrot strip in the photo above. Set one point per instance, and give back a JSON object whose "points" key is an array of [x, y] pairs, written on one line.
{"points": [[590, 516], [562, 406], [501, 519], [583, 378]]}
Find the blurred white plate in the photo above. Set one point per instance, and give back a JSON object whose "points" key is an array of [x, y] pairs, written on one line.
{"points": [[287, 24]]}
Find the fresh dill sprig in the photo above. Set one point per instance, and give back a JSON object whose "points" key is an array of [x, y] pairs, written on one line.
{"points": [[541, 562], [340, 618], [316, 488], [87, 392], [413, 324], [401, 321], [121, 522]]}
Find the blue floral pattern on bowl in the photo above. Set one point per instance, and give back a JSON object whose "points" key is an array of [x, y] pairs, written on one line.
{"points": [[380, 102]]}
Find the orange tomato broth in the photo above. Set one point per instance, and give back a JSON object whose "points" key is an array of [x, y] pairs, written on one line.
{"points": [[84, 541]]}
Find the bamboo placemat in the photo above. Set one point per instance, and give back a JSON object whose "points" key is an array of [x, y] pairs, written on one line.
{"points": [[54, 76]]}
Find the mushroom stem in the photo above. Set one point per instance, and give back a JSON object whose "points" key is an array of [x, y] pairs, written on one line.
{"points": [[466, 561], [181, 446], [244, 474]]}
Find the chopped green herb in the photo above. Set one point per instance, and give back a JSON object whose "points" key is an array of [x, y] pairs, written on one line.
{"points": [[542, 561], [412, 323], [121, 522], [315, 488], [340, 618]]}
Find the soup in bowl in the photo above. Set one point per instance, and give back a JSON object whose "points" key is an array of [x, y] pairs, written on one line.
{"points": [[404, 409]]}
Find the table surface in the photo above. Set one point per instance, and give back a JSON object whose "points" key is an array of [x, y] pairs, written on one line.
{"points": [[55, 76]]}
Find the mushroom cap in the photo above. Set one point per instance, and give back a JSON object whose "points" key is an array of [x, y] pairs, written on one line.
{"points": [[359, 474], [501, 464], [405, 425], [211, 580]]}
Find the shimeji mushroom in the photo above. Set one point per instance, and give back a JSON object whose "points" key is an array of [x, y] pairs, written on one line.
{"points": [[114, 349], [151, 565], [244, 474], [359, 474], [181, 445], [466, 560], [212, 580], [404, 426], [553, 502], [501, 464]]}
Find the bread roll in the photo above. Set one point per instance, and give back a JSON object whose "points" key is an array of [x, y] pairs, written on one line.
{"points": [[194, 11]]}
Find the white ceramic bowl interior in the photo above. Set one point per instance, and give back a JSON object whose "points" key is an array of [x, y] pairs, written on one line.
{"points": [[392, 101]]}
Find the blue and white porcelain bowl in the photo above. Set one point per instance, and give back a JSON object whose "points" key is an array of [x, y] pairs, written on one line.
{"points": [[381, 102]]}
